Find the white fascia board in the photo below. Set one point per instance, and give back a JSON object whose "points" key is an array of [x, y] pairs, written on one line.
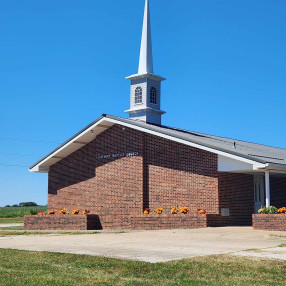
{"points": [[195, 145], [273, 167], [38, 168]]}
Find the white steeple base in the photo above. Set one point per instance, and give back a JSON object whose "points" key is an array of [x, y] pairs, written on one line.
{"points": [[147, 114]]}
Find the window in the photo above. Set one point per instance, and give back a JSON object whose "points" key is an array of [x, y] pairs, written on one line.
{"points": [[153, 95], [138, 95]]}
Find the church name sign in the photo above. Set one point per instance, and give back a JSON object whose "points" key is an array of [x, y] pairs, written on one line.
{"points": [[119, 155]]}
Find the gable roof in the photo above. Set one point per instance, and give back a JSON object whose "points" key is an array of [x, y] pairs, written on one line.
{"points": [[251, 152]]}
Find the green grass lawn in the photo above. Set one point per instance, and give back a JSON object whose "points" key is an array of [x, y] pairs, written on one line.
{"points": [[13, 212], [11, 220], [12, 228], [43, 268]]}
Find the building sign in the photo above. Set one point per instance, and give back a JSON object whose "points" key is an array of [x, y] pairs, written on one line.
{"points": [[119, 155]]}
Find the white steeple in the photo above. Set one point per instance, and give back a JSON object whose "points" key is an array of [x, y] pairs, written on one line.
{"points": [[146, 58], [145, 95]]}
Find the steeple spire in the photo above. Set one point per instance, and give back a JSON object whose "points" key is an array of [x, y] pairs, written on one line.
{"points": [[145, 92], [146, 58]]}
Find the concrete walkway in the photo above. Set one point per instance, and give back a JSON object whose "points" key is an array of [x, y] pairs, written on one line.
{"points": [[152, 246], [11, 224]]}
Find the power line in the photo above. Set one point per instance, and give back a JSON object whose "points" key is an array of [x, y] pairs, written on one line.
{"points": [[20, 166], [27, 140], [20, 155]]}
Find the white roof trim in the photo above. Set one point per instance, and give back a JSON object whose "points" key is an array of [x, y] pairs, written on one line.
{"points": [[40, 168], [256, 164]]}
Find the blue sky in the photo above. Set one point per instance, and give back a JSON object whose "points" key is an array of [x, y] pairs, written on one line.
{"points": [[63, 64]]}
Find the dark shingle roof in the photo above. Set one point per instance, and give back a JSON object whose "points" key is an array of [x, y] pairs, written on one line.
{"points": [[252, 151]]}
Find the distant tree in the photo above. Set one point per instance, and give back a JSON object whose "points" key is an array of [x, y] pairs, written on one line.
{"points": [[8, 206], [28, 204], [15, 206]]}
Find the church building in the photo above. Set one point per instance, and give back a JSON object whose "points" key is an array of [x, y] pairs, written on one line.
{"points": [[118, 167]]}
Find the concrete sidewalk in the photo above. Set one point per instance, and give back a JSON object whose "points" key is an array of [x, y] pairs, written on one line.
{"points": [[151, 246], [11, 224]]}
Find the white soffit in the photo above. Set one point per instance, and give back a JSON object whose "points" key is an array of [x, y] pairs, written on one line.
{"points": [[73, 145], [226, 164]]}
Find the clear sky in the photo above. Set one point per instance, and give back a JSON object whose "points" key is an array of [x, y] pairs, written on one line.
{"points": [[63, 64]]}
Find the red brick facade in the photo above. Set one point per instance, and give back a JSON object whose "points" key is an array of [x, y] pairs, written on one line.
{"points": [[180, 175], [110, 187], [169, 221], [278, 192], [122, 171], [273, 222], [156, 173], [236, 193], [62, 222]]}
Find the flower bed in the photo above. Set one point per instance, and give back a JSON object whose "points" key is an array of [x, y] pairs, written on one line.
{"points": [[62, 222], [273, 222]]}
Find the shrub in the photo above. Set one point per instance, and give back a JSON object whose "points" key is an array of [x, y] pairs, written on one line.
{"points": [[270, 210]]}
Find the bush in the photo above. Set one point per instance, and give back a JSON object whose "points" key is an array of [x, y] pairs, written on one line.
{"points": [[270, 210]]}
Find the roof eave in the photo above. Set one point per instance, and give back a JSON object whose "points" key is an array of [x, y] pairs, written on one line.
{"points": [[40, 167]]}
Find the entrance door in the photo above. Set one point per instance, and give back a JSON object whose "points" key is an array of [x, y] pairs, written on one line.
{"points": [[258, 193]]}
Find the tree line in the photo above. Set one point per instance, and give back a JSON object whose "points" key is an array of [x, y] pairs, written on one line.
{"points": [[25, 204]]}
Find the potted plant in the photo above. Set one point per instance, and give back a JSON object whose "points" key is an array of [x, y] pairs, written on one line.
{"points": [[158, 210], [76, 211], [201, 211], [146, 211], [174, 210], [184, 210]]}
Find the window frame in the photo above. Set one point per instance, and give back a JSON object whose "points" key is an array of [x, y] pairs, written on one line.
{"points": [[153, 95], [138, 99]]}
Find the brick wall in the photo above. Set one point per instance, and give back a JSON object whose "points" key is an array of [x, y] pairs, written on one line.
{"points": [[236, 192], [85, 181], [180, 175], [168, 221], [163, 174], [278, 191], [273, 222], [63, 222]]}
